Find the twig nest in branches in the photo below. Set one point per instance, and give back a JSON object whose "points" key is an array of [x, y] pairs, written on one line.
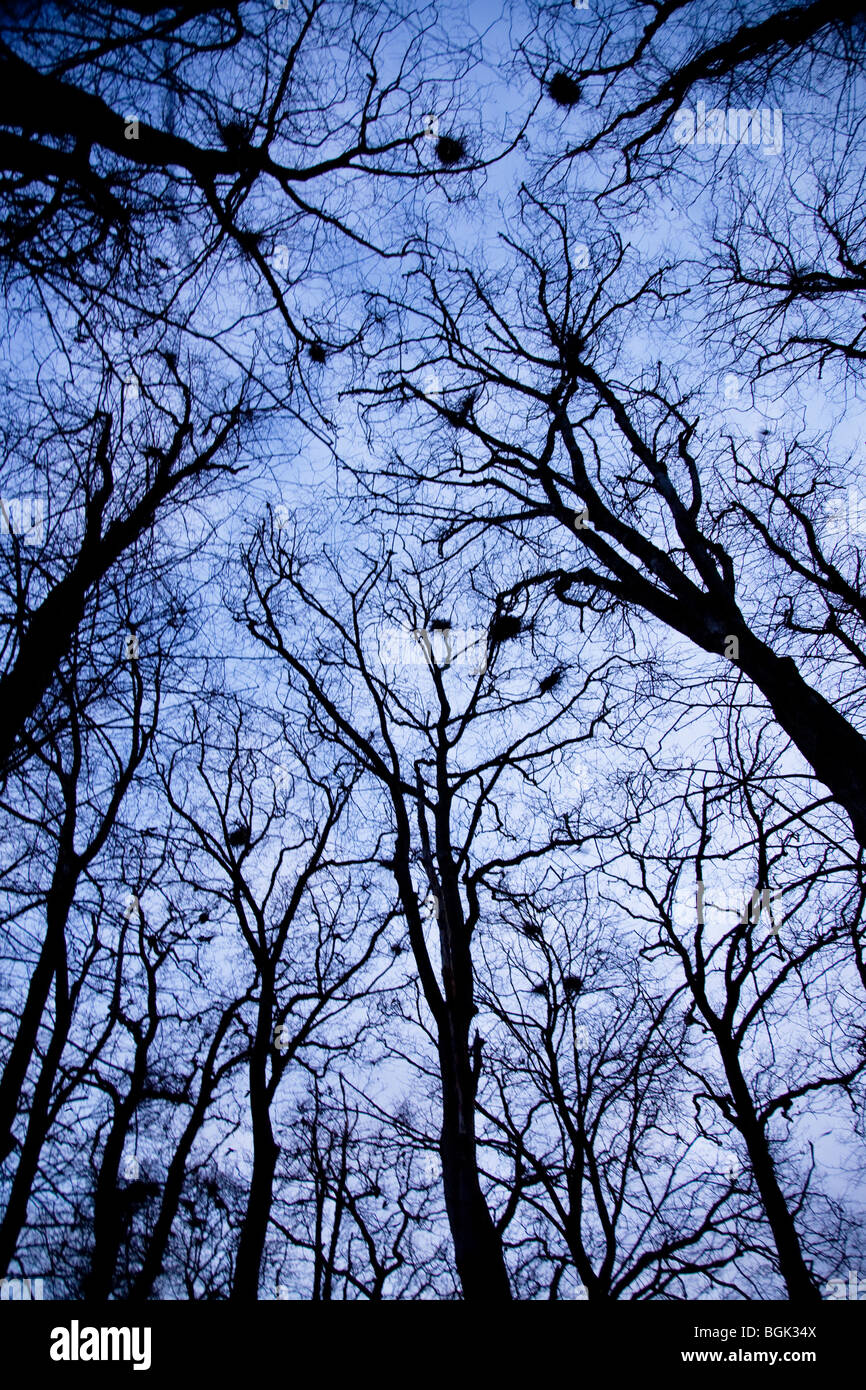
{"points": [[234, 134], [459, 418], [552, 681], [240, 837], [504, 628], [317, 353], [572, 984], [138, 1190], [440, 625], [563, 89], [572, 350], [250, 240], [450, 150]]}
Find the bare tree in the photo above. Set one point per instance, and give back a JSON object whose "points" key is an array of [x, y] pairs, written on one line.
{"points": [[84, 780], [439, 798], [616, 498], [309, 962], [610, 1188]]}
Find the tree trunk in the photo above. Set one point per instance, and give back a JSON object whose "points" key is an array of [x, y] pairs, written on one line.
{"points": [[245, 1287], [152, 1264], [833, 747], [59, 902], [799, 1282], [477, 1246], [37, 1126]]}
